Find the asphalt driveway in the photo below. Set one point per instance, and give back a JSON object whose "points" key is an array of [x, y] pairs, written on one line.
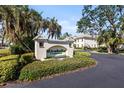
{"points": [[109, 73]]}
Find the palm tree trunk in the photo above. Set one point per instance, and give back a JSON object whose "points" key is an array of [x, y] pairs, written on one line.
{"points": [[17, 29], [21, 42], [2, 43]]}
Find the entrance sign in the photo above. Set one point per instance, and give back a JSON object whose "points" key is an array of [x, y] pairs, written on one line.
{"points": [[45, 48]]}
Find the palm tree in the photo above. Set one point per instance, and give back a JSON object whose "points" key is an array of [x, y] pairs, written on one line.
{"points": [[22, 24], [11, 19], [54, 29], [65, 35], [2, 33]]}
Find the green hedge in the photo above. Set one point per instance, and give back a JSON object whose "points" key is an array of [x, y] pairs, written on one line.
{"points": [[5, 52], [10, 65], [10, 57], [121, 50], [37, 69], [82, 54], [102, 49], [26, 58], [17, 49], [8, 70]]}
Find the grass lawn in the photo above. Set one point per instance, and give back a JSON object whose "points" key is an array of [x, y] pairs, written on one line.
{"points": [[4, 52]]}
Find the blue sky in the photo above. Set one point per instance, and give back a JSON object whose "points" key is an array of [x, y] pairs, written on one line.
{"points": [[67, 15]]}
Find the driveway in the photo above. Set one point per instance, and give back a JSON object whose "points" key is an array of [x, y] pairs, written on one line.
{"points": [[109, 73]]}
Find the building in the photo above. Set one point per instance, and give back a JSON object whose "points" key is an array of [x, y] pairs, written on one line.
{"points": [[84, 40], [45, 48]]}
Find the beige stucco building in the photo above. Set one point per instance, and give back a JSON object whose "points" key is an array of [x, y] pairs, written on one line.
{"points": [[84, 40], [45, 48]]}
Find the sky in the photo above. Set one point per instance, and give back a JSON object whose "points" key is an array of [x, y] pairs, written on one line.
{"points": [[67, 15]]}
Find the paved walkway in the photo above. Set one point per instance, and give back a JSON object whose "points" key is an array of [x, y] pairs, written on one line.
{"points": [[109, 73]]}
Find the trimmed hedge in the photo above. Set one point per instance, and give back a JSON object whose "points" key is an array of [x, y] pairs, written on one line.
{"points": [[8, 67], [37, 69], [121, 50], [10, 57], [26, 58], [11, 65], [102, 49], [5, 52], [82, 54], [8, 70], [17, 49], [89, 48]]}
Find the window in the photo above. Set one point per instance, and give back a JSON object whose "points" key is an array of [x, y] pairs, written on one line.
{"points": [[41, 44]]}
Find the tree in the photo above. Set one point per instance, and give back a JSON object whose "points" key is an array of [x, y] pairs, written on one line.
{"points": [[54, 29], [22, 24], [104, 20], [2, 34], [65, 35], [106, 38]]}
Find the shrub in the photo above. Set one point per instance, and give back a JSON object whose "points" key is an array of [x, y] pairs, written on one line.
{"points": [[8, 67], [102, 49], [26, 58], [81, 54], [121, 50], [10, 57], [90, 48], [17, 49], [37, 69], [11, 65], [8, 70], [4, 52]]}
